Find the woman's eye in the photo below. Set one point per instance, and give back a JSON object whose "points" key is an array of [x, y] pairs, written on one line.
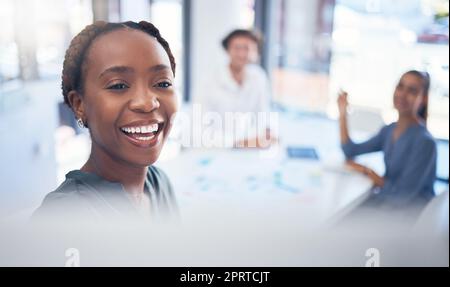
{"points": [[164, 85], [119, 86]]}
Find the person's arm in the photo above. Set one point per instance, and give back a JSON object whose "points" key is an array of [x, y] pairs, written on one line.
{"points": [[376, 179], [263, 140], [343, 125], [350, 148]]}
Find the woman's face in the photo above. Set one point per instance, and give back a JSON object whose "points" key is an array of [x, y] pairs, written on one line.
{"points": [[242, 51], [128, 98], [409, 94]]}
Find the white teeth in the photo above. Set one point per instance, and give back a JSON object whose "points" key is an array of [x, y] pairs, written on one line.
{"points": [[152, 128], [145, 138], [142, 129]]}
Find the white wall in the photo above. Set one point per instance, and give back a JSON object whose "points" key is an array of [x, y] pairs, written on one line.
{"points": [[134, 10]]}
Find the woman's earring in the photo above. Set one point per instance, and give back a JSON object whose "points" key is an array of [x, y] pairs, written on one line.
{"points": [[80, 123]]}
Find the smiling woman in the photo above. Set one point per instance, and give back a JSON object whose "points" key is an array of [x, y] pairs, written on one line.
{"points": [[117, 79], [410, 151]]}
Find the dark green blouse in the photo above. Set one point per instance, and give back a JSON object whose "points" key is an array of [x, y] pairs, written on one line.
{"points": [[88, 197]]}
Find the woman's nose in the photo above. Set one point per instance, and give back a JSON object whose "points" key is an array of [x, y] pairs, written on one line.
{"points": [[144, 101]]}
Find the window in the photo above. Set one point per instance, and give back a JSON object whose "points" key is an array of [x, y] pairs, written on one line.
{"points": [[300, 52], [9, 60], [375, 42], [318, 47]]}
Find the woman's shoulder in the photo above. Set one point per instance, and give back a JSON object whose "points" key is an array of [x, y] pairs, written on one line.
{"points": [[388, 127], [256, 71], [424, 137], [67, 189], [64, 200], [418, 132]]}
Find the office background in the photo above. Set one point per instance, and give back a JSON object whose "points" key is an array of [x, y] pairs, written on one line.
{"points": [[311, 49]]}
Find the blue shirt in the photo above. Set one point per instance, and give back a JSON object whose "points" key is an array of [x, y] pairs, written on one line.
{"points": [[410, 163]]}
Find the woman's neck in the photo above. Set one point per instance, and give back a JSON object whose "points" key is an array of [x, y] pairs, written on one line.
{"points": [[404, 121], [114, 170]]}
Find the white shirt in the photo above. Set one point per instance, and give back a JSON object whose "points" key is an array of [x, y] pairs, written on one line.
{"points": [[224, 95]]}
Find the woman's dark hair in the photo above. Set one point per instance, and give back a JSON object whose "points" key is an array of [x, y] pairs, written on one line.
{"points": [[73, 67], [426, 83], [253, 35]]}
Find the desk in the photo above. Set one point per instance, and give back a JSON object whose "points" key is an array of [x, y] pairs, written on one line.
{"points": [[268, 182]]}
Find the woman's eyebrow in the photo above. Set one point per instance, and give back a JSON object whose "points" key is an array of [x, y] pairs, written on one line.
{"points": [[127, 70], [117, 69], [158, 68]]}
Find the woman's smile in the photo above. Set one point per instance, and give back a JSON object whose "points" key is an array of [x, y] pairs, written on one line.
{"points": [[131, 121], [144, 134]]}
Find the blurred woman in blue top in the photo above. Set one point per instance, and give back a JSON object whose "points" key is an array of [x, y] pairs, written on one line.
{"points": [[409, 149]]}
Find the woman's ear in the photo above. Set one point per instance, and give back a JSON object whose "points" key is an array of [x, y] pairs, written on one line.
{"points": [[77, 104], [425, 100]]}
